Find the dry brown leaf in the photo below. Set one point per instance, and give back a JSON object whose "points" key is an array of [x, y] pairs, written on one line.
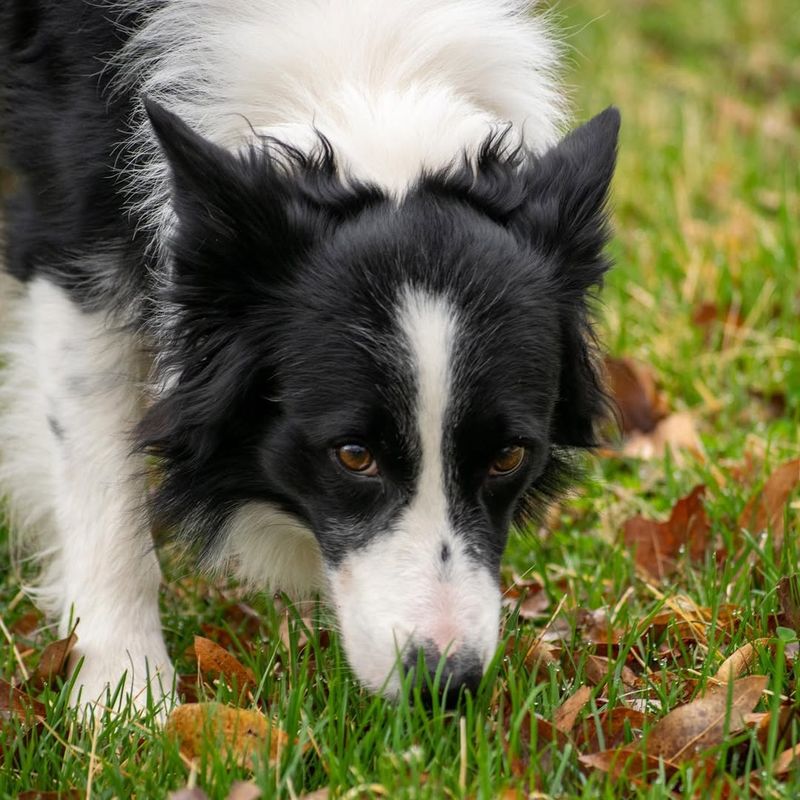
{"points": [[244, 732], [15, 703], [596, 627], [786, 761], [69, 794], [244, 790], [566, 714], [658, 544], [762, 722], [633, 387], [600, 669], [530, 596], [702, 723], [708, 312], [298, 623], [53, 662], [215, 662], [538, 654], [740, 661], [788, 590], [195, 793], [774, 402], [27, 623], [609, 730], [535, 735], [765, 508], [629, 761], [675, 433]]}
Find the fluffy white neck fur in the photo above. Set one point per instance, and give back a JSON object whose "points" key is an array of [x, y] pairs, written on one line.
{"points": [[396, 85]]}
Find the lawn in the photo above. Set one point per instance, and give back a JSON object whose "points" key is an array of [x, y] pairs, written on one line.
{"points": [[705, 298]]}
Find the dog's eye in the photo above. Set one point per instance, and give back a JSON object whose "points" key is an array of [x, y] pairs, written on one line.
{"points": [[357, 458], [507, 460]]}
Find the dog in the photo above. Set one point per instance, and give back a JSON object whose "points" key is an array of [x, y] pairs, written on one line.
{"points": [[329, 265]]}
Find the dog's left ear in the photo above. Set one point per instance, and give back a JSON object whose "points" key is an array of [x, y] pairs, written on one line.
{"points": [[564, 213], [259, 207], [565, 218]]}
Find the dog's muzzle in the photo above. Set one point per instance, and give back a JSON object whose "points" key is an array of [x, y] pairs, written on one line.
{"points": [[444, 676]]}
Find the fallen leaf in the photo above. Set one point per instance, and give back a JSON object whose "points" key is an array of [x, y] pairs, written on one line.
{"points": [[786, 761], [535, 736], [188, 794], [702, 723], [188, 688], [609, 730], [740, 661], [765, 509], [596, 626], [675, 433], [708, 312], [600, 670], [69, 794], [762, 722], [628, 761], [215, 662], [53, 662], [15, 703], [774, 401], [244, 790], [529, 596], [657, 545], [297, 622], [566, 714], [788, 590], [290, 622], [27, 623], [538, 654], [633, 388], [244, 732]]}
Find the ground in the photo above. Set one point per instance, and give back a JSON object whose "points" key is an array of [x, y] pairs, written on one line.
{"points": [[706, 297]]}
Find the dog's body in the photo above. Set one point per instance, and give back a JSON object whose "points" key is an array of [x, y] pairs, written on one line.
{"points": [[344, 306]]}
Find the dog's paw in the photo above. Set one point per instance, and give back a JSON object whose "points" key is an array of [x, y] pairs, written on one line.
{"points": [[108, 676]]}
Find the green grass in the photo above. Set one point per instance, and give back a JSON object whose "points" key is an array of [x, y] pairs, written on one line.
{"points": [[707, 203]]}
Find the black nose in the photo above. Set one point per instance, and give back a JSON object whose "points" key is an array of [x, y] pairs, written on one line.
{"points": [[445, 679]]}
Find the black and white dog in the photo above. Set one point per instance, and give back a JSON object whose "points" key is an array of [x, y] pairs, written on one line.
{"points": [[328, 262]]}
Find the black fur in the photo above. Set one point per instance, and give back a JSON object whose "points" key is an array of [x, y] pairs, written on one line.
{"points": [[62, 129], [278, 322], [310, 278]]}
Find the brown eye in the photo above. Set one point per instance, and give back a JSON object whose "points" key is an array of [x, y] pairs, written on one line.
{"points": [[507, 460], [357, 458]]}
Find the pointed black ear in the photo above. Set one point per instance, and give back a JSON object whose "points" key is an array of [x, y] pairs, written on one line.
{"points": [[566, 218], [233, 208], [200, 168], [567, 192]]}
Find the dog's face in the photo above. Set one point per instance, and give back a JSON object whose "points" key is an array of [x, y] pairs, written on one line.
{"points": [[406, 378]]}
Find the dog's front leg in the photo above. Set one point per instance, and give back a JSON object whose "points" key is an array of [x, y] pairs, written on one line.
{"points": [[103, 568]]}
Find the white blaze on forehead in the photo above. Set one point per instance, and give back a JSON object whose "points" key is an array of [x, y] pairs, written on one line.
{"points": [[429, 325], [415, 583]]}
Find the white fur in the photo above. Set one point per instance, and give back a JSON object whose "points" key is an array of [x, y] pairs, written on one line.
{"points": [[81, 495], [396, 85], [399, 590], [268, 550]]}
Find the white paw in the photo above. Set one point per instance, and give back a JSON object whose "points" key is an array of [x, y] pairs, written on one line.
{"points": [[111, 676]]}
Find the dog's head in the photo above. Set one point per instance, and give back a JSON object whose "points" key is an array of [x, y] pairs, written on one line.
{"points": [[405, 378]]}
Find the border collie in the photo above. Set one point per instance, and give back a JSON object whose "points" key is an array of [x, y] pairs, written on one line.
{"points": [[327, 264]]}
